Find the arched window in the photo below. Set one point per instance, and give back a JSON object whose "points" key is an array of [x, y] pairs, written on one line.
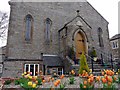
{"points": [[48, 24], [29, 25], [100, 37]]}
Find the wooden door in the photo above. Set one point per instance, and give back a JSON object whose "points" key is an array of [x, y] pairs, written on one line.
{"points": [[79, 44]]}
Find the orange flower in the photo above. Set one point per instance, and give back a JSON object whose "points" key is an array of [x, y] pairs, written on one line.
{"points": [[85, 82], [36, 82], [83, 74], [86, 74], [79, 74], [113, 72], [62, 76], [103, 73], [84, 86], [89, 80], [43, 81], [98, 78], [104, 80], [55, 84], [58, 81], [106, 77], [109, 83], [114, 78], [109, 79], [52, 79], [91, 75]]}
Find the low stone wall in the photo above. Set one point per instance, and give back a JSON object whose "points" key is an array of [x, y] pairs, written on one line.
{"points": [[16, 68]]}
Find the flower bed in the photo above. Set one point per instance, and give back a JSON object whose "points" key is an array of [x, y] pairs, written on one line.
{"points": [[107, 80]]}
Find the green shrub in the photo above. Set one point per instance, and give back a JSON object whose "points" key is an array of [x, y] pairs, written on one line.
{"points": [[71, 80], [24, 83], [39, 81], [83, 64], [7, 82], [17, 82], [93, 53]]}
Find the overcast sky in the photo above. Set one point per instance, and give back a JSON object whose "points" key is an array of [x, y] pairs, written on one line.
{"points": [[107, 8]]}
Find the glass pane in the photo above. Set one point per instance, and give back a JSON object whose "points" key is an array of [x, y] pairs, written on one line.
{"points": [[48, 71], [32, 69], [48, 24], [59, 69], [28, 28], [36, 69], [60, 73], [27, 68]]}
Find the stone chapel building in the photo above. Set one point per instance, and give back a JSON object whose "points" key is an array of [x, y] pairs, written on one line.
{"points": [[43, 35]]}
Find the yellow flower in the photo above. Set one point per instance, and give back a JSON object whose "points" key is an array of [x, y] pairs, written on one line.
{"points": [[27, 75], [116, 73], [73, 72], [30, 77], [30, 83], [35, 77], [90, 70], [34, 85], [25, 72]]}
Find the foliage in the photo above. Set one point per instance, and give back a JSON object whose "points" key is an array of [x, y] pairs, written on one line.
{"points": [[7, 82], [17, 82], [71, 80], [62, 86], [118, 81], [93, 52], [39, 81], [83, 64]]}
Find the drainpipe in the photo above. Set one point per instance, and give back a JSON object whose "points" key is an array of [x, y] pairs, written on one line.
{"points": [[59, 41]]}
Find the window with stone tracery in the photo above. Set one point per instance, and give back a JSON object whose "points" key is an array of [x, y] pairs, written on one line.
{"points": [[100, 37], [28, 26], [48, 24]]}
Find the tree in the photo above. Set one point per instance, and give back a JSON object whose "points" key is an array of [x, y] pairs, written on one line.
{"points": [[3, 24], [83, 64]]}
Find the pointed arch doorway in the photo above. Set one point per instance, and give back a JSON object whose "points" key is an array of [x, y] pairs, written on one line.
{"points": [[80, 41]]}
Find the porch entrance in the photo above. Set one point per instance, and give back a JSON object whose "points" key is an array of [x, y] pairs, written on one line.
{"points": [[80, 44]]}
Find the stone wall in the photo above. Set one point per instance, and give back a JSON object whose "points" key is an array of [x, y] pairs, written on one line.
{"points": [[60, 13], [16, 68]]}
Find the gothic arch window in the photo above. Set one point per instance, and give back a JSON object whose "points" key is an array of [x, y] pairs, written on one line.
{"points": [[28, 27], [48, 24], [100, 37]]}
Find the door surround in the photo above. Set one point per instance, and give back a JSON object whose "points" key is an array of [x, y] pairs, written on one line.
{"points": [[84, 41]]}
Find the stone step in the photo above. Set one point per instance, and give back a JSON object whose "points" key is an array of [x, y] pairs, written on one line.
{"points": [[97, 73]]}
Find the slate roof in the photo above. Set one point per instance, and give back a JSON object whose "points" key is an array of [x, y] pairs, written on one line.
{"points": [[117, 36], [52, 61]]}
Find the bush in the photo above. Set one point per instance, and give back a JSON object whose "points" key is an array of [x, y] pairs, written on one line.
{"points": [[71, 80], [7, 82], [93, 52], [39, 82], [17, 82], [83, 64]]}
